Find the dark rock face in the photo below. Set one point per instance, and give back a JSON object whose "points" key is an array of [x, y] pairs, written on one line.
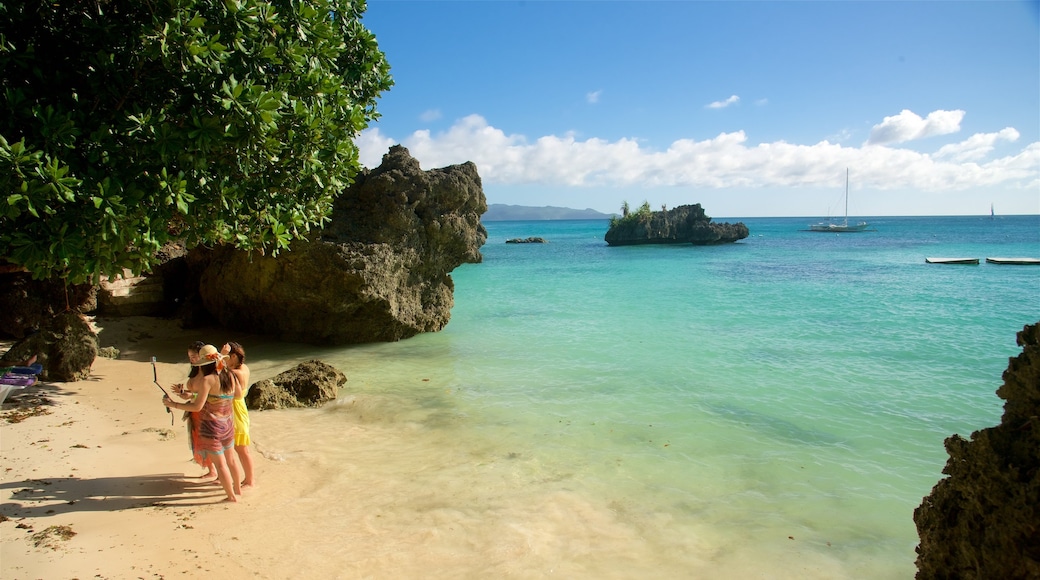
{"points": [[531, 240], [65, 346], [983, 521], [686, 224], [309, 384], [26, 304], [380, 270]]}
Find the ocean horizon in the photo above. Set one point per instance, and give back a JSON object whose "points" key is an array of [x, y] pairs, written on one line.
{"points": [[772, 408]]}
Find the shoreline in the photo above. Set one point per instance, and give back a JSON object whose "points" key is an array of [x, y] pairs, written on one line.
{"points": [[380, 483]]}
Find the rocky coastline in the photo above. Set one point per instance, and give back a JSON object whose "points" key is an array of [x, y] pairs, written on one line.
{"points": [[983, 520]]}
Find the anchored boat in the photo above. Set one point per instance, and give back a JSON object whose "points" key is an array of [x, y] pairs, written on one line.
{"points": [[829, 226], [952, 260], [1015, 261]]}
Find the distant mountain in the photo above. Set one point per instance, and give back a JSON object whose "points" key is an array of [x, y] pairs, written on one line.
{"points": [[498, 212]]}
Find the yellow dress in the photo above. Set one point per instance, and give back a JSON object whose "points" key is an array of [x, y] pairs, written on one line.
{"points": [[241, 422]]}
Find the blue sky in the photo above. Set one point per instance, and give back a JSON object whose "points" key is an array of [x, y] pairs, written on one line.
{"points": [[748, 108]]}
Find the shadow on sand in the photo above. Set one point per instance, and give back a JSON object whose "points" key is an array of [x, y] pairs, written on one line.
{"points": [[46, 497]]}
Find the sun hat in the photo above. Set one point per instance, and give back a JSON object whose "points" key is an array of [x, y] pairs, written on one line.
{"points": [[209, 355]]}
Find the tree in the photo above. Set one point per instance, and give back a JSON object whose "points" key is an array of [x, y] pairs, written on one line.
{"points": [[126, 124]]}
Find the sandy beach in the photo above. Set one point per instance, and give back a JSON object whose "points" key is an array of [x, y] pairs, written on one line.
{"points": [[96, 482]]}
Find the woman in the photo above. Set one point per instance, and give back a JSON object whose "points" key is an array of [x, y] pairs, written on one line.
{"points": [[214, 391], [191, 419], [237, 366]]}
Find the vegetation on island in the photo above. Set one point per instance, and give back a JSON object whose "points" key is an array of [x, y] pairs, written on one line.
{"points": [[124, 125], [628, 216]]}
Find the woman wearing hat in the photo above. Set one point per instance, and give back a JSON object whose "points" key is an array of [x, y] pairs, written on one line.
{"points": [[188, 392], [214, 391]]}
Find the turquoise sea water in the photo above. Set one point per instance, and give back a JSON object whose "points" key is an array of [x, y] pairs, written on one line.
{"points": [[771, 408]]}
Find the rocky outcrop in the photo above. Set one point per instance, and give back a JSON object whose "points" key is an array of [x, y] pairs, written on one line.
{"points": [[65, 346], [379, 271], [531, 240], [983, 521], [26, 305], [309, 384], [686, 224]]}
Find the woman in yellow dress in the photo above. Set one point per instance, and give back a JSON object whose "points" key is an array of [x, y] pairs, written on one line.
{"points": [[237, 365]]}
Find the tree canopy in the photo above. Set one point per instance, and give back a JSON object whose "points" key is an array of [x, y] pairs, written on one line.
{"points": [[126, 124]]}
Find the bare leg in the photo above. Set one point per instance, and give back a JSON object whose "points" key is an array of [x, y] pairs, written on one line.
{"points": [[224, 475], [246, 460], [235, 471]]}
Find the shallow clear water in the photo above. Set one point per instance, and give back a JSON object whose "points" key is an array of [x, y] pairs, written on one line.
{"points": [[775, 407]]}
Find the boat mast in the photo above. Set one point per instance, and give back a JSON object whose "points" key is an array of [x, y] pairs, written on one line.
{"points": [[846, 196]]}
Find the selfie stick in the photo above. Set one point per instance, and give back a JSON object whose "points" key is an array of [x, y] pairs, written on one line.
{"points": [[155, 379]]}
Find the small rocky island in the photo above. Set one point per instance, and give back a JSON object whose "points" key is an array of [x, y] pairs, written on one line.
{"points": [[685, 224]]}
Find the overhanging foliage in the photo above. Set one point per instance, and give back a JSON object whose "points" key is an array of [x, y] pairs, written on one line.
{"points": [[125, 124]]}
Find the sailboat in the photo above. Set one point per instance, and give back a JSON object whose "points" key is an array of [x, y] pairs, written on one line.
{"points": [[844, 226]]}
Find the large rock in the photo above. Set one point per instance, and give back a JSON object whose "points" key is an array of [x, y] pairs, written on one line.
{"points": [[309, 384], [379, 271], [26, 305], [686, 224], [65, 346], [983, 521]]}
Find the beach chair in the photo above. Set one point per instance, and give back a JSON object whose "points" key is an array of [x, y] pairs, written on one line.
{"points": [[18, 377]]}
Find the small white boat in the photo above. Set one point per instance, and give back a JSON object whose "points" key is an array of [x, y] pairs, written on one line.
{"points": [[951, 260], [1015, 261], [843, 226]]}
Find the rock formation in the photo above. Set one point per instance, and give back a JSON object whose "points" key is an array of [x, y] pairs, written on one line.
{"points": [[26, 305], [983, 521], [65, 346], [309, 384], [379, 271], [530, 240], [686, 224]]}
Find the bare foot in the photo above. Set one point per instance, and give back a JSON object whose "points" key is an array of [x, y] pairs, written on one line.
{"points": [[231, 499], [248, 484]]}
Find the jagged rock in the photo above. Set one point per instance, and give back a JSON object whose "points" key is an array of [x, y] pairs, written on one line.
{"points": [[27, 304], [983, 521], [65, 346], [379, 271], [309, 384], [685, 224], [531, 240]]}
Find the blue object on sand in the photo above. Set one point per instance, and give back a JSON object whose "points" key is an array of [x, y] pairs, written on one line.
{"points": [[33, 369]]}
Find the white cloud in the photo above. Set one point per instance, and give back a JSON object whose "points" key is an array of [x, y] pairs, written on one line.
{"points": [[593, 97], [430, 115], [908, 126], [976, 147], [372, 145], [734, 99], [727, 160]]}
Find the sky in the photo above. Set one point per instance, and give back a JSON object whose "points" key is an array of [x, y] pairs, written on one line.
{"points": [[748, 108]]}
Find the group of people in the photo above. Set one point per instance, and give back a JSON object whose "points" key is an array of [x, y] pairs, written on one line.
{"points": [[215, 410]]}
